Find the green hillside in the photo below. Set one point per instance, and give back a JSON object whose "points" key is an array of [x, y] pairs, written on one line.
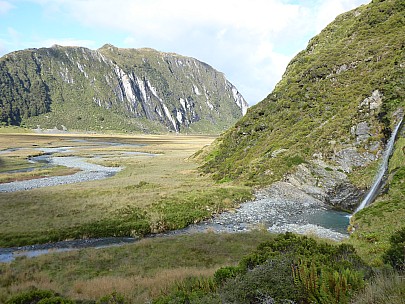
{"points": [[115, 89], [339, 95]]}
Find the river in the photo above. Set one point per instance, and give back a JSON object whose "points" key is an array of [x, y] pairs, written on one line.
{"points": [[88, 171], [276, 214]]}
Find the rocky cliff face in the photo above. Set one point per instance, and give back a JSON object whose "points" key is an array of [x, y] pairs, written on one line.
{"points": [[114, 88], [324, 127]]}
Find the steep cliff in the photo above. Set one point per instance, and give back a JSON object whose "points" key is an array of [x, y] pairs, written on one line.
{"points": [[324, 126], [118, 89]]}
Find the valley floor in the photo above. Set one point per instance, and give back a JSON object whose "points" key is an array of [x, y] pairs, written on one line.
{"points": [[158, 187], [151, 194]]}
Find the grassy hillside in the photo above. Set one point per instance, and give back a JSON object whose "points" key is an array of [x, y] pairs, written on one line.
{"points": [[321, 98]]}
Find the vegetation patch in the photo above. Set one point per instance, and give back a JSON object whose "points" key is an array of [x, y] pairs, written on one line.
{"points": [[286, 269], [139, 272], [373, 226], [147, 196], [191, 207]]}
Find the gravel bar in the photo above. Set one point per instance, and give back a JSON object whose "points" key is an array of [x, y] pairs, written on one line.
{"points": [[88, 172]]}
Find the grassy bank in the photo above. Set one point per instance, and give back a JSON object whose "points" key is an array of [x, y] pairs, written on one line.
{"points": [[374, 225], [151, 194], [139, 271]]}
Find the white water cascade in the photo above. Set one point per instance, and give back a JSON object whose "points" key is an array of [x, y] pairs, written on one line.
{"points": [[381, 171]]}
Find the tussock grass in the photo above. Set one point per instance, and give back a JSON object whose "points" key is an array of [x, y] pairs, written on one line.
{"points": [[151, 193], [139, 271], [383, 289], [138, 289], [38, 173]]}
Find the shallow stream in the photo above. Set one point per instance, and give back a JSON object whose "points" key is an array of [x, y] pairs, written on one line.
{"points": [[266, 212], [88, 171]]}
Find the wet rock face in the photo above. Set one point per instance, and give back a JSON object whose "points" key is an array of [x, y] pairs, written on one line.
{"points": [[345, 196], [324, 183]]}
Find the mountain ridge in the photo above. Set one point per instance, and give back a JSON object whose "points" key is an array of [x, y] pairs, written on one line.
{"points": [[117, 89]]}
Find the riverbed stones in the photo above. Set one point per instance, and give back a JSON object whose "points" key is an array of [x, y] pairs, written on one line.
{"points": [[279, 208]]}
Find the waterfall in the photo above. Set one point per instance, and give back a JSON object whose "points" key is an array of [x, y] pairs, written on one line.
{"points": [[381, 171]]}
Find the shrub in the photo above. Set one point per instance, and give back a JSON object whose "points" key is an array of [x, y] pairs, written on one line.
{"points": [[225, 273], [298, 269], [395, 255], [271, 279], [288, 269], [113, 298], [191, 290], [36, 296]]}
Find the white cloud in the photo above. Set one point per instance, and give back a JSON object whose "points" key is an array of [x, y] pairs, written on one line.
{"points": [[5, 7], [233, 36]]}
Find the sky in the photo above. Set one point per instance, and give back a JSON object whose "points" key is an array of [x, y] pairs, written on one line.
{"points": [[250, 41]]}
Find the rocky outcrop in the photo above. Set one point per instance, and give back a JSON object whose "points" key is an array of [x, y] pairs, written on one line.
{"points": [[323, 183], [326, 180], [158, 90], [373, 102], [350, 158]]}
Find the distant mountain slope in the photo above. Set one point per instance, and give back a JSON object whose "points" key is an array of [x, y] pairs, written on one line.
{"points": [[113, 88], [325, 124]]}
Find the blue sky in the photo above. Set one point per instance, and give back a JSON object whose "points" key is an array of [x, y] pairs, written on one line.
{"points": [[251, 42]]}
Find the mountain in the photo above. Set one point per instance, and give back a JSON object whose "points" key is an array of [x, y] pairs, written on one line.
{"points": [[324, 127], [116, 89]]}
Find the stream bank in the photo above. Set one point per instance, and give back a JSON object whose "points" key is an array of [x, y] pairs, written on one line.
{"points": [[277, 213]]}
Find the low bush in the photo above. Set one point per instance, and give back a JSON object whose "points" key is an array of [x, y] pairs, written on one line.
{"points": [[395, 255], [36, 296], [288, 269], [113, 298]]}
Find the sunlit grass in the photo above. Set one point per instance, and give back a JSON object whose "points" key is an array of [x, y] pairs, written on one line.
{"points": [[144, 197], [383, 289], [139, 271], [37, 173]]}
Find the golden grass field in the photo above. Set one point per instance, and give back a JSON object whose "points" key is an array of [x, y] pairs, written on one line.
{"points": [[139, 271], [150, 185]]}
